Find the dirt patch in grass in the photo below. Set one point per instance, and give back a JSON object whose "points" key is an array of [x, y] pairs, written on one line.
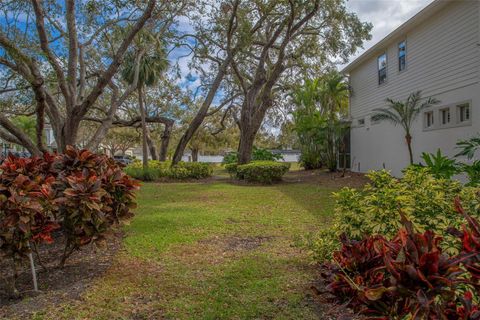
{"points": [[237, 243], [56, 285], [327, 179]]}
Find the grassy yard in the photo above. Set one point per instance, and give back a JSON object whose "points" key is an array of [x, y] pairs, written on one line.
{"points": [[212, 250]]}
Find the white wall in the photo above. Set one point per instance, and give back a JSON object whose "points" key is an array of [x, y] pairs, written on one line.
{"points": [[443, 60], [218, 159]]}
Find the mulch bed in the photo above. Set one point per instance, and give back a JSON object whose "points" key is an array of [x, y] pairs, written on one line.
{"points": [[322, 303], [56, 285]]}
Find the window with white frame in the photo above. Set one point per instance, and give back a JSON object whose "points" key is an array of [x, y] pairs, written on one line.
{"points": [[402, 55], [382, 68], [445, 116], [463, 112], [429, 119]]}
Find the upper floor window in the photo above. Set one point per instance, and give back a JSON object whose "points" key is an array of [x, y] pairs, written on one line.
{"points": [[382, 68], [463, 112], [402, 55]]}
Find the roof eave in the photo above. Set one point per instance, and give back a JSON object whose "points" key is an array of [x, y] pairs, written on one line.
{"points": [[402, 29]]}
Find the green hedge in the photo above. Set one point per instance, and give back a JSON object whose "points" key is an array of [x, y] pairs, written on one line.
{"points": [[232, 169], [157, 170], [190, 170], [261, 171]]}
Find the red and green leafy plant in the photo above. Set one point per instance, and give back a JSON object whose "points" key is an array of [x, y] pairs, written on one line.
{"points": [[82, 211], [408, 277]]}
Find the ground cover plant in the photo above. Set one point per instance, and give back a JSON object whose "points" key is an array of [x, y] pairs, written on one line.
{"points": [[408, 277], [79, 193]]}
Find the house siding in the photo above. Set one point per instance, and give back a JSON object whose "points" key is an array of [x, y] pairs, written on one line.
{"points": [[443, 60]]}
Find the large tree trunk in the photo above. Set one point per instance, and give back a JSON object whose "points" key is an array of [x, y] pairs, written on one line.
{"points": [[245, 146], [152, 148], [194, 155], [250, 122], [144, 128], [165, 142], [201, 114]]}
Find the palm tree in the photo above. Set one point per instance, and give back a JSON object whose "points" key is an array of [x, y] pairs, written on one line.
{"points": [[334, 91], [404, 113], [152, 62], [309, 123]]}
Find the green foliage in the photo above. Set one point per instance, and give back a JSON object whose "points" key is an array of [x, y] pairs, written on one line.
{"points": [[27, 124], [473, 173], [190, 170], [321, 103], [468, 147], [309, 124], [258, 154], [424, 199], [232, 169], [261, 154], [158, 169], [147, 174], [439, 165], [262, 171], [229, 158]]}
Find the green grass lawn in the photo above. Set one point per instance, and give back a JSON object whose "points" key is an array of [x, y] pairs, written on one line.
{"points": [[211, 250]]}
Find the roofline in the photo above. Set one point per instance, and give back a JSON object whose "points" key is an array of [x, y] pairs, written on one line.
{"points": [[429, 10]]}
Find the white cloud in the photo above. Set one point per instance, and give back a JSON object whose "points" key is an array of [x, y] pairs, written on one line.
{"points": [[385, 15]]}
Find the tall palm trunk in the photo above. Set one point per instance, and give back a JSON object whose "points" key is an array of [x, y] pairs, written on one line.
{"points": [[144, 128], [408, 138]]}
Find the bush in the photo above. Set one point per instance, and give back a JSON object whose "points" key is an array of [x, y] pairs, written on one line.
{"points": [[79, 192], [408, 277], [149, 174], [262, 171], [230, 158], [258, 154], [232, 169], [424, 199], [311, 159], [157, 169], [190, 170]]}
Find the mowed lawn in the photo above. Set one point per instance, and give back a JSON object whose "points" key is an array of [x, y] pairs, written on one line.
{"points": [[211, 250]]}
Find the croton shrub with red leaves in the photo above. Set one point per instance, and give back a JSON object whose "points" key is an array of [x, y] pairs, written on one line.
{"points": [[408, 277], [80, 193]]}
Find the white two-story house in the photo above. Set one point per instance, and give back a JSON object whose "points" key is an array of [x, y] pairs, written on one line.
{"points": [[438, 52]]}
